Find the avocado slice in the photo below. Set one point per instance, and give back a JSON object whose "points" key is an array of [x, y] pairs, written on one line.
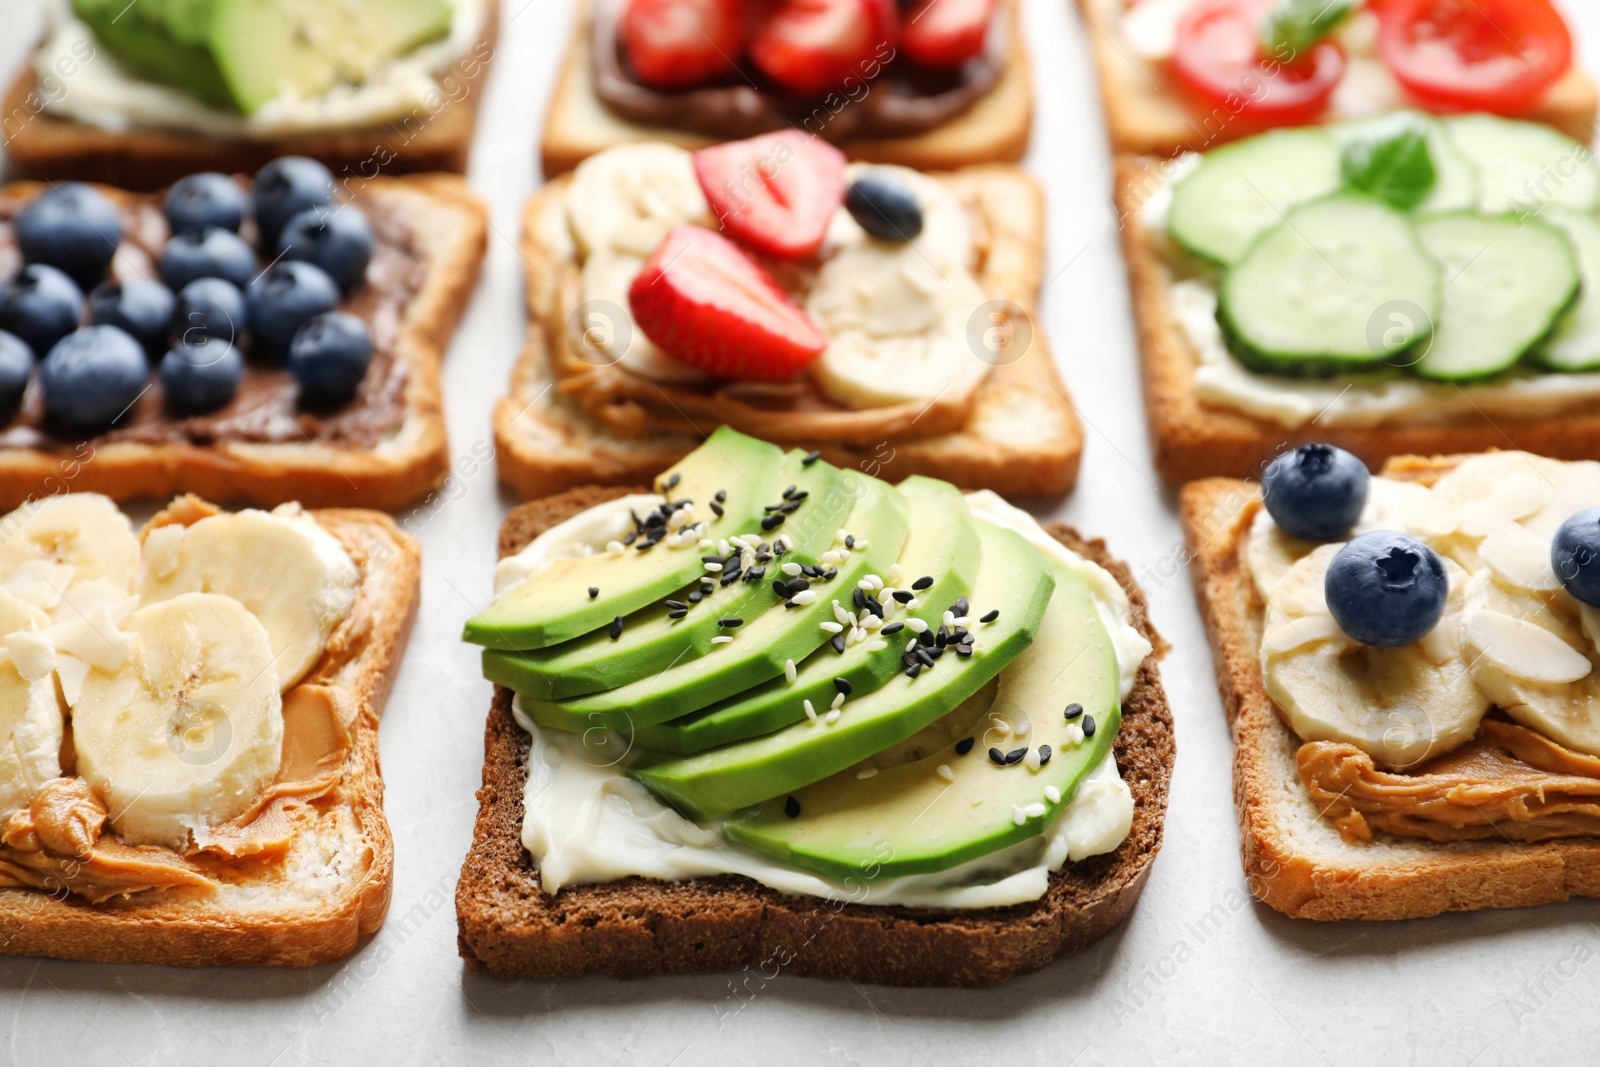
{"points": [[909, 820], [1012, 579], [942, 545], [651, 640], [239, 54], [878, 521], [554, 605]]}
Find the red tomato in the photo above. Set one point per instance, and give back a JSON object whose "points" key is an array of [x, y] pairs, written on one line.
{"points": [[1218, 58], [1475, 55]]}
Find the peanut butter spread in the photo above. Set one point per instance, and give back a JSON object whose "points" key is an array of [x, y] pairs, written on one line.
{"points": [[266, 408]]}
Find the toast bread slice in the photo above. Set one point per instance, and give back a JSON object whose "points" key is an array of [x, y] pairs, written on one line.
{"points": [[333, 888], [1023, 437], [449, 226], [1146, 115], [1192, 440], [510, 928], [994, 130], [41, 144], [1294, 859]]}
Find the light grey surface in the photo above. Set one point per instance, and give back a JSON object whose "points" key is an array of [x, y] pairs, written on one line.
{"points": [[1199, 973]]}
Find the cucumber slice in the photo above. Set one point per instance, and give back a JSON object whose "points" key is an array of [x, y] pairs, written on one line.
{"points": [[1343, 285], [1507, 283], [1526, 166], [1455, 187], [1575, 344], [1240, 191]]}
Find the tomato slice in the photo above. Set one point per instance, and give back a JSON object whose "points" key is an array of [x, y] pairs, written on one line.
{"points": [[1218, 58], [1475, 55]]}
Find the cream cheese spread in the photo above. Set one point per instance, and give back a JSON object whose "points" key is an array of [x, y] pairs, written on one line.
{"points": [[586, 821], [104, 94]]}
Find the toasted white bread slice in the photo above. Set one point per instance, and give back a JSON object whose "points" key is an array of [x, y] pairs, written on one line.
{"points": [[332, 888], [1294, 859]]}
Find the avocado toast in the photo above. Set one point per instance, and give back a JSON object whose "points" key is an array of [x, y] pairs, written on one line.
{"points": [[809, 782]]}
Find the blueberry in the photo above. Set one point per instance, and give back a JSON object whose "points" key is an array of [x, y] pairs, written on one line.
{"points": [[41, 305], [201, 375], [1386, 589], [1575, 556], [205, 199], [285, 295], [885, 208], [338, 241], [209, 253], [329, 357], [71, 227], [1316, 491], [93, 376], [142, 309], [16, 364], [210, 307], [284, 188]]}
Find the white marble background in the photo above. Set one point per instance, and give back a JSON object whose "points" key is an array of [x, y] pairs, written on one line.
{"points": [[1199, 973]]}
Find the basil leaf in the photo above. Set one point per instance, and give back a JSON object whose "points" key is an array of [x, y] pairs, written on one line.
{"points": [[1293, 26], [1394, 165]]}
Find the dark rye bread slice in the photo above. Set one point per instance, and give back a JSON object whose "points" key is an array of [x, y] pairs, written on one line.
{"points": [[510, 928]]}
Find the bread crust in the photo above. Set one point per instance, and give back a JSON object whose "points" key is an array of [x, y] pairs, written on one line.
{"points": [[45, 146], [1191, 440], [1023, 437], [509, 928], [1294, 859], [449, 224], [267, 925], [1146, 115], [994, 130]]}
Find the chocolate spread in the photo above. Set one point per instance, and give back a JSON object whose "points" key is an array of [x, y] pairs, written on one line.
{"points": [[266, 408], [894, 97]]}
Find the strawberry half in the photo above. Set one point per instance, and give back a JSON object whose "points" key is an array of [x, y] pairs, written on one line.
{"points": [[679, 44], [812, 46], [947, 33], [775, 193], [707, 303]]}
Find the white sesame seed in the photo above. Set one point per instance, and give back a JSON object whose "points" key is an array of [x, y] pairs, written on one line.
{"points": [[1030, 759], [614, 547], [865, 585], [789, 672], [838, 701], [871, 622], [945, 772], [1052, 794], [862, 543], [877, 582], [1017, 815], [913, 604], [916, 626], [844, 617], [804, 597], [1033, 811], [784, 542], [1003, 726], [713, 566], [829, 559], [832, 716], [963, 620], [791, 569], [831, 626], [948, 618], [1024, 728], [1074, 734], [895, 573], [854, 636], [811, 712], [877, 646], [866, 772], [721, 639], [840, 535], [673, 540], [723, 548], [911, 644]]}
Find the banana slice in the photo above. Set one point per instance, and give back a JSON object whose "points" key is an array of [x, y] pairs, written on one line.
{"points": [[289, 572], [1481, 495], [1270, 552], [607, 322], [626, 198], [31, 720], [1399, 705], [1577, 489], [83, 531], [1531, 653], [189, 731]]}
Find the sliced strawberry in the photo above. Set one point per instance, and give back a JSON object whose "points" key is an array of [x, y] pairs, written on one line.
{"points": [[812, 46], [707, 303], [679, 44], [775, 193], [946, 33]]}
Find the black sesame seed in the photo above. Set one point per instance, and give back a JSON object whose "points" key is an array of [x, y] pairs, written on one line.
{"points": [[922, 583], [730, 622], [858, 597], [993, 615], [936, 652], [721, 497], [941, 637], [616, 627], [963, 650], [711, 559], [770, 508], [843, 686], [707, 587], [997, 757], [644, 546], [837, 642], [961, 607], [913, 670], [1015, 755], [905, 596], [1044, 754], [674, 603], [1088, 726], [801, 495], [696, 596], [1074, 710], [729, 577], [811, 457], [830, 574], [781, 588], [716, 509], [772, 522], [630, 539], [964, 746], [791, 808], [755, 574], [789, 506], [677, 613], [926, 639], [892, 628], [789, 492], [909, 659], [594, 591], [874, 607], [672, 482], [924, 655], [849, 540], [789, 605]]}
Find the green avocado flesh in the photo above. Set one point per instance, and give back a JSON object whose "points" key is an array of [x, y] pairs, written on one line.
{"points": [[554, 605], [761, 646], [942, 545], [651, 640], [907, 819], [1012, 579], [238, 54]]}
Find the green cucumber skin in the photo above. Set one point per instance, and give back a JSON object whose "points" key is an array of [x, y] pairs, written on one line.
{"points": [[1320, 367]]}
